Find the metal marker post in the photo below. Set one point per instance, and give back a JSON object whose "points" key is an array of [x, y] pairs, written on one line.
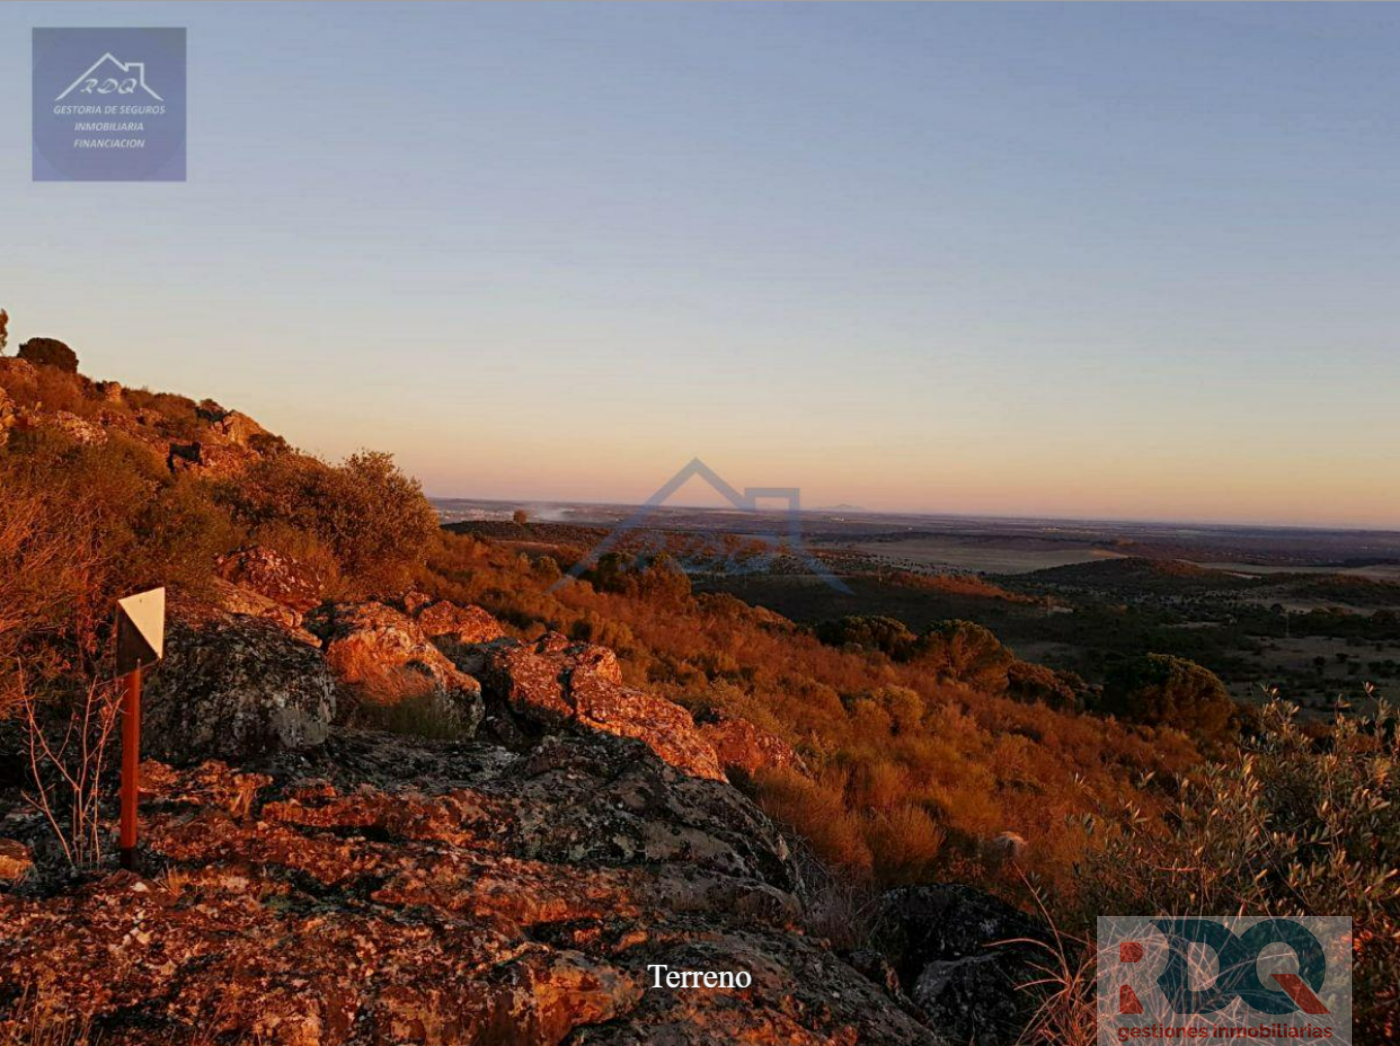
{"points": [[140, 642], [131, 765]]}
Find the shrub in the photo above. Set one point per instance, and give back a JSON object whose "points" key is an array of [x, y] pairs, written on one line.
{"points": [[368, 514], [965, 652], [1290, 826], [1162, 690], [1031, 682], [907, 845], [885, 635], [817, 813], [49, 352], [46, 579], [119, 520], [661, 580]]}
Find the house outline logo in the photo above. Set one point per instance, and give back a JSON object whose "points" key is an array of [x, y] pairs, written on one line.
{"points": [[125, 67], [748, 501]]}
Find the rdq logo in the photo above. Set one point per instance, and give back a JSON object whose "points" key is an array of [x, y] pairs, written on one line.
{"points": [[1224, 978], [108, 104], [110, 75]]}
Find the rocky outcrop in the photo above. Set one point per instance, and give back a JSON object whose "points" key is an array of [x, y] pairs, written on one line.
{"points": [[210, 459], [79, 430], [237, 427], [553, 683], [743, 745], [274, 575], [374, 646], [460, 624], [234, 687], [238, 600], [963, 956], [385, 890]]}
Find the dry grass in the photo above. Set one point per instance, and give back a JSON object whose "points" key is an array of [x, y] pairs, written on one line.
{"points": [[399, 699], [36, 1020], [878, 735], [1067, 985]]}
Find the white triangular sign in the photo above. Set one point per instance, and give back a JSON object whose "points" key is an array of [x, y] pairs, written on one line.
{"points": [[140, 630]]}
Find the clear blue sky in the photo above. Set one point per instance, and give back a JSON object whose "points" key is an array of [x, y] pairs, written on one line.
{"points": [[1107, 260]]}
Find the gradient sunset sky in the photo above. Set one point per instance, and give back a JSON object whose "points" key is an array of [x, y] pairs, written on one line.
{"points": [[1114, 261]]}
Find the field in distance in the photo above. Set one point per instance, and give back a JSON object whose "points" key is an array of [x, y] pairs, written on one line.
{"points": [[1315, 613]]}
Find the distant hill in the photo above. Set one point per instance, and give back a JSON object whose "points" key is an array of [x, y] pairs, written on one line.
{"points": [[1160, 576], [1346, 589]]}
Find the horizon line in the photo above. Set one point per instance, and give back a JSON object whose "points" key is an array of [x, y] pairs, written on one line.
{"points": [[929, 514]]}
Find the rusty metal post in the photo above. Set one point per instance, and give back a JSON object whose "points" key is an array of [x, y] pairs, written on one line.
{"points": [[131, 766]]}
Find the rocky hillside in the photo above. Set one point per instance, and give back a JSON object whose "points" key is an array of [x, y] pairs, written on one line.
{"points": [[374, 815], [308, 883], [201, 439]]}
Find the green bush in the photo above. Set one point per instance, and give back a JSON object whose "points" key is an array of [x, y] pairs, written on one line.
{"points": [[661, 580], [884, 635], [1030, 682], [83, 524], [1162, 690], [1291, 825]]}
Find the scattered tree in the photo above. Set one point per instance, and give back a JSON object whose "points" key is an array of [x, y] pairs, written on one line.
{"points": [[965, 652], [520, 517], [49, 352], [885, 635], [1031, 682], [1162, 690]]}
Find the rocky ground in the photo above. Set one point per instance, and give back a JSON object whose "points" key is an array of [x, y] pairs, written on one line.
{"points": [[304, 881], [315, 884]]}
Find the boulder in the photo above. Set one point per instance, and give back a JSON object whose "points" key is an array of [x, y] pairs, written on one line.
{"points": [[413, 601], [554, 684], [1006, 848], [375, 647], [469, 624], [743, 745], [274, 575], [234, 687], [237, 427], [238, 600], [15, 861], [963, 956]]}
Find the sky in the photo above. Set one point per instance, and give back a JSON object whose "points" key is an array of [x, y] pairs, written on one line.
{"points": [[1101, 260]]}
